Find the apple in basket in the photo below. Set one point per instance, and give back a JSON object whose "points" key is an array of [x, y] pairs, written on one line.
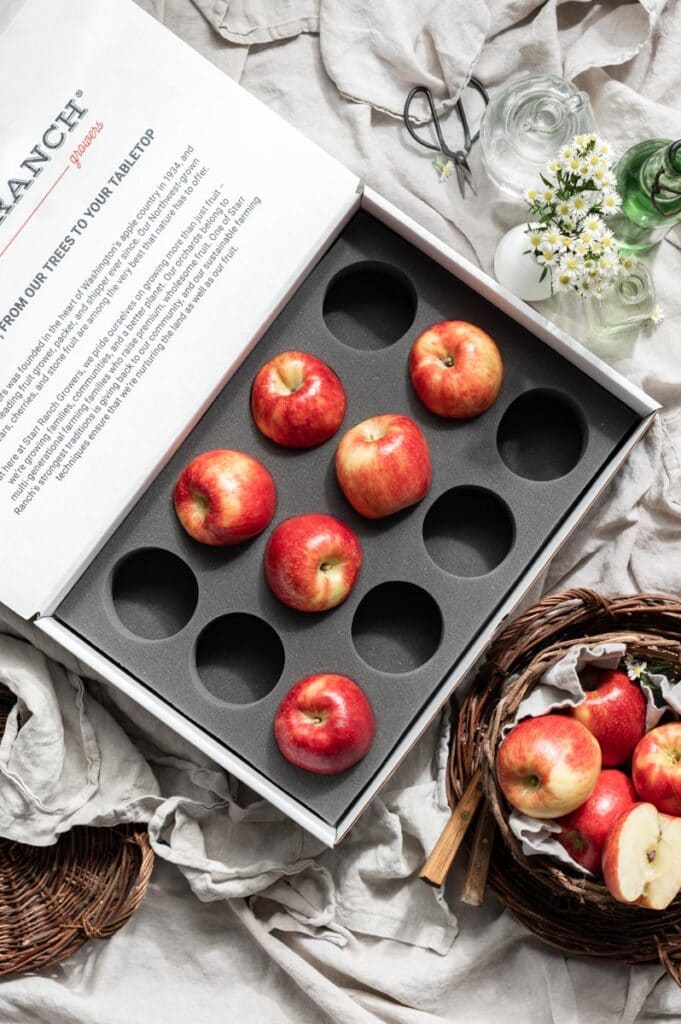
{"points": [[456, 369], [224, 497], [312, 562], [642, 857], [324, 724], [297, 400], [383, 465], [656, 768], [614, 711], [547, 766], [584, 830]]}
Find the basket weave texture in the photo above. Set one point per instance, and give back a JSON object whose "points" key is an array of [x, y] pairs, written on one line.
{"points": [[568, 911], [54, 899]]}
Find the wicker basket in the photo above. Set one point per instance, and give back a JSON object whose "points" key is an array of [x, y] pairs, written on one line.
{"points": [[567, 911], [54, 898]]}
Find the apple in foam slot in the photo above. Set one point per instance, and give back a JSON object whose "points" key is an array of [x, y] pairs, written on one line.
{"points": [[324, 724], [224, 497], [312, 562], [297, 400], [383, 465]]}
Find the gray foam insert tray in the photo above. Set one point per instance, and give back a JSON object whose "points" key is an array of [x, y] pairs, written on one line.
{"points": [[199, 625]]}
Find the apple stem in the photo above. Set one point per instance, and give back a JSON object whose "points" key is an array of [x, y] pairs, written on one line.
{"points": [[651, 856]]}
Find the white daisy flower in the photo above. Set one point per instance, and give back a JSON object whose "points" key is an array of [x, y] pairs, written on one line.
{"points": [[551, 239], [581, 140], [610, 202], [546, 257], [603, 148], [573, 263], [628, 263], [607, 239], [563, 208], [562, 280], [535, 236], [572, 165], [578, 204], [584, 288], [566, 152], [548, 194], [531, 195], [553, 166], [657, 315], [593, 224]]}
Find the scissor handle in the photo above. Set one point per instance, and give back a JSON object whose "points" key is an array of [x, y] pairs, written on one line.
{"points": [[442, 147], [469, 139]]}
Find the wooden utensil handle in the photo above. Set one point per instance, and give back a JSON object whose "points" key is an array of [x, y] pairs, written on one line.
{"points": [[475, 880], [436, 868]]}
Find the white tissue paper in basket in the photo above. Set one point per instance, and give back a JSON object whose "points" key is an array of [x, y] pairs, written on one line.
{"points": [[560, 688]]}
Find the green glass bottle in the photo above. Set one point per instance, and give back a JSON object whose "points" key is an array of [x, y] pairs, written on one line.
{"points": [[649, 184]]}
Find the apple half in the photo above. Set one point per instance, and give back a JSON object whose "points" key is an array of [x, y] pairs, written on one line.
{"points": [[642, 858]]}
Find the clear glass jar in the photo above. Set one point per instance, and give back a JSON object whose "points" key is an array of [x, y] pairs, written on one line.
{"points": [[626, 305], [525, 125]]}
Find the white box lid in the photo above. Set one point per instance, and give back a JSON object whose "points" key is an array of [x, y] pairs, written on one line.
{"points": [[153, 219]]}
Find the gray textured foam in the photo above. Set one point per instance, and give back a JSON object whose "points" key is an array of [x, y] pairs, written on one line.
{"points": [[231, 580]]}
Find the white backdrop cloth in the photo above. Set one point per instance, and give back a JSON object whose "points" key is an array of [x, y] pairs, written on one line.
{"points": [[249, 918]]}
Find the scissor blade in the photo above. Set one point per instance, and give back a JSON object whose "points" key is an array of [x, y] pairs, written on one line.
{"points": [[466, 173]]}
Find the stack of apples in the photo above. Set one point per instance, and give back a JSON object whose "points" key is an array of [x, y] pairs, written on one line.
{"points": [[223, 497], [613, 788]]}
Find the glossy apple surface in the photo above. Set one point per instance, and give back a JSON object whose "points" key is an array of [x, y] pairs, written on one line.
{"points": [[642, 857], [547, 766], [383, 465], [656, 768], [224, 497], [614, 711], [297, 400], [324, 724], [585, 829], [312, 562], [456, 369]]}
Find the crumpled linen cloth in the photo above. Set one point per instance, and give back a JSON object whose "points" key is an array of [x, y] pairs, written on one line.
{"points": [[284, 930]]}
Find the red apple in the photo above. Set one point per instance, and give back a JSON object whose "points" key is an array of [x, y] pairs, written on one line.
{"points": [[456, 369], [642, 857], [224, 497], [585, 830], [614, 711], [312, 562], [656, 768], [547, 766], [383, 465], [297, 400], [324, 724]]}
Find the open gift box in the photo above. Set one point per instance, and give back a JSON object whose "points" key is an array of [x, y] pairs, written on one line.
{"points": [[177, 236]]}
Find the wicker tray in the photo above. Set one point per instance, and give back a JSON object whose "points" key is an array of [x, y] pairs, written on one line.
{"points": [[54, 898], [567, 911]]}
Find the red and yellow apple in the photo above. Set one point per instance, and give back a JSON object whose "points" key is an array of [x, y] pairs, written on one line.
{"points": [[547, 766], [642, 857], [584, 830], [223, 497], [656, 768], [614, 711], [312, 562], [383, 465], [456, 369], [324, 724], [297, 400]]}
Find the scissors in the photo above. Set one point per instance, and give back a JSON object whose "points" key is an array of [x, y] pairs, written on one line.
{"points": [[458, 157]]}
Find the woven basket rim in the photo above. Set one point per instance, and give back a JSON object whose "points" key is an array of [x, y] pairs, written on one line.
{"points": [[54, 899]]}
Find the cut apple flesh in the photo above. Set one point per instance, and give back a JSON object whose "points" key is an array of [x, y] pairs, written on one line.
{"points": [[645, 861]]}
